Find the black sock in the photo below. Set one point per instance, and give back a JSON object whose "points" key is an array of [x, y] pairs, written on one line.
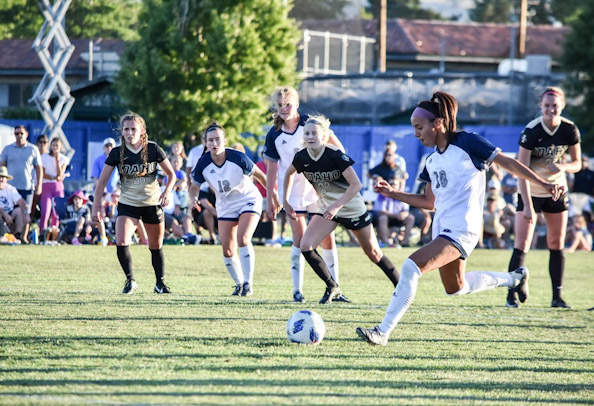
{"points": [[389, 269], [158, 260], [556, 269], [319, 266], [517, 260], [125, 259]]}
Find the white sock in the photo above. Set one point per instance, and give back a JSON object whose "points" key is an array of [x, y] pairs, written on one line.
{"points": [[403, 296], [234, 268], [297, 268], [247, 256], [477, 281], [330, 257]]}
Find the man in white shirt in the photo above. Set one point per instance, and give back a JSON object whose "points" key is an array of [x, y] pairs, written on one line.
{"points": [[13, 208]]}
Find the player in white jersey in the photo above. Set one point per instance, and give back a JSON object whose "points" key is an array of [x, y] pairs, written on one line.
{"points": [[239, 204], [455, 172], [283, 141], [331, 173]]}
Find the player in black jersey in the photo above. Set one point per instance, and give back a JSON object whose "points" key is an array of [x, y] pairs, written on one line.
{"points": [[137, 160], [543, 145], [330, 172]]}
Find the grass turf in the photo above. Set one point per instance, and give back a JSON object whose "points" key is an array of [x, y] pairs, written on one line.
{"points": [[69, 337]]}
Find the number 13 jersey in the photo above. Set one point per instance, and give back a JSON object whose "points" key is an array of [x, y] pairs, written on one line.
{"points": [[457, 177]]}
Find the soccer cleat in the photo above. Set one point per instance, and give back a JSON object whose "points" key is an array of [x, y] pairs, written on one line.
{"points": [[341, 298], [162, 288], [246, 289], [511, 298], [237, 290], [331, 293], [298, 297], [560, 303], [130, 287], [521, 276], [373, 336]]}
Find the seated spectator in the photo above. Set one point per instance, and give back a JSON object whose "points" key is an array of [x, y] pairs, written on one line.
{"points": [[492, 228], [176, 220], [14, 213], [389, 170], [78, 219], [389, 213], [581, 186], [578, 236], [207, 216], [507, 211], [177, 151], [423, 218], [180, 188]]}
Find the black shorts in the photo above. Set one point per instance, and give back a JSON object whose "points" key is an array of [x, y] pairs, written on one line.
{"points": [[356, 223], [546, 204], [148, 214]]}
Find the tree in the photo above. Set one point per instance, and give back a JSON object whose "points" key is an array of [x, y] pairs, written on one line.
{"points": [[318, 9], [203, 60], [539, 11], [84, 19], [404, 9], [492, 11], [578, 60]]}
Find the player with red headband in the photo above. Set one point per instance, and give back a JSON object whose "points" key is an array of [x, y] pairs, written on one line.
{"points": [[543, 145], [455, 172]]}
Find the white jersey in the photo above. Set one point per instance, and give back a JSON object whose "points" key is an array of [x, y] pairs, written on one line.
{"points": [[194, 156], [281, 147], [457, 177], [231, 182]]}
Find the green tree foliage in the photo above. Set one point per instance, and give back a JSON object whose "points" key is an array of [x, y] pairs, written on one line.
{"points": [[318, 9], [203, 60], [539, 11], [578, 60], [84, 19], [492, 11], [410, 9]]}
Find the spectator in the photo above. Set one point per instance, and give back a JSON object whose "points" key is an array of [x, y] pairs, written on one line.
{"points": [[493, 230], [13, 208], [42, 143], [54, 170], [207, 216], [180, 188], [389, 170], [582, 189], [578, 236], [393, 147], [112, 183], [21, 159], [177, 151], [193, 158], [78, 218], [389, 213]]}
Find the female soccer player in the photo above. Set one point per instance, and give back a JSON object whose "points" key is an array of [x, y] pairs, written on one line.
{"points": [[283, 140], [455, 172], [543, 145], [239, 204], [141, 198], [330, 172]]}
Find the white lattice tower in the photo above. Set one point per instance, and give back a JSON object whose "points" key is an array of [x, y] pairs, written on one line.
{"points": [[54, 65]]}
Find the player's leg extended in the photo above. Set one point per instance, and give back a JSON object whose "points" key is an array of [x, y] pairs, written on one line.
{"points": [[368, 241]]}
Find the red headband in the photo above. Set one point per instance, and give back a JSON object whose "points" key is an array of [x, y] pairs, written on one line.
{"points": [[552, 92]]}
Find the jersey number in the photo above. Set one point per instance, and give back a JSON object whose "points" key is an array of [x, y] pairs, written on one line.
{"points": [[224, 186], [441, 179]]}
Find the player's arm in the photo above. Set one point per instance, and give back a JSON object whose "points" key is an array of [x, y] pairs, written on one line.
{"points": [[287, 187], [101, 183], [354, 187], [522, 171], [273, 205], [422, 201], [260, 176]]}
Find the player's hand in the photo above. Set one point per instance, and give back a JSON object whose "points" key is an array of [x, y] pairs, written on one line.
{"points": [[529, 214], [272, 205], [331, 212], [164, 199], [382, 187], [96, 217], [289, 210], [555, 190]]}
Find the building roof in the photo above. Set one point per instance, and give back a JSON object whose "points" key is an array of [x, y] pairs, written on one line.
{"points": [[18, 54], [423, 37]]}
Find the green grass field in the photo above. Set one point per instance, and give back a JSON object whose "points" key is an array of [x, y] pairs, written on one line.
{"points": [[69, 337]]}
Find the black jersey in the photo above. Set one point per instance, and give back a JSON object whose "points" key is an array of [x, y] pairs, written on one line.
{"points": [[138, 190], [548, 147], [325, 174]]}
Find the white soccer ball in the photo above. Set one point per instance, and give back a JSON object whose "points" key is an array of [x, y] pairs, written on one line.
{"points": [[306, 327]]}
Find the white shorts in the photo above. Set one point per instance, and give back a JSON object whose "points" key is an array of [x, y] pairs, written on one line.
{"points": [[465, 241], [231, 212]]}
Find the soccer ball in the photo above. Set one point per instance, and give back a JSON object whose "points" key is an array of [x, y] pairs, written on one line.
{"points": [[306, 327]]}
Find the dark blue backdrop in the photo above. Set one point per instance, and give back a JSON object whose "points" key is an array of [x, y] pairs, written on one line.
{"points": [[365, 144]]}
